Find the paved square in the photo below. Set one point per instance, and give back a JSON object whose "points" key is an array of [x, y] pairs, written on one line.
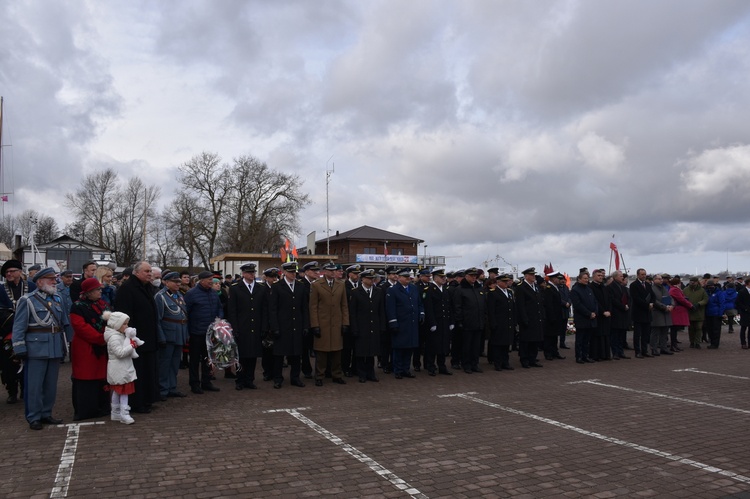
{"points": [[663, 427]]}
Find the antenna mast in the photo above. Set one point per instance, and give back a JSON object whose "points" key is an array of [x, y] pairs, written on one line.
{"points": [[328, 228]]}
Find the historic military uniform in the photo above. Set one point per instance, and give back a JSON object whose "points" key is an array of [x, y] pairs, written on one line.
{"points": [[9, 295], [172, 332], [38, 339]]}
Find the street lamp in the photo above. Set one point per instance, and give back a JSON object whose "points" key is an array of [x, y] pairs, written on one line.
{"points": [[424, 259]]}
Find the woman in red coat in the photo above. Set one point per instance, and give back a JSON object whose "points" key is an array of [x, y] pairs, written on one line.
{"points": [[680, 311], [88, 352]]}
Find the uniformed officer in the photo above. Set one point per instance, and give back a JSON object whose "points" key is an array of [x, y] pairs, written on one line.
{"points": [[404, 311], [172, 333], [367, 321], [270, 277], [530, 310], [469, 306], [38, 340], [248, 315], [289, 322], [348, 362], [12, 289], [423, 282], [311, 273], [329, 322], [439, 323]]}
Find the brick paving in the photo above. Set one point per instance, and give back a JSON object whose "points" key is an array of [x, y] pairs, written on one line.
{"points": [[226, 444]]}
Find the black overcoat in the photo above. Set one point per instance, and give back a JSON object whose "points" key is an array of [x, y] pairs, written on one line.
{"points": [[367, 320], [288, 313], [438, 314], [136, 299], [501, 313], [530, 313], [248, 314]]}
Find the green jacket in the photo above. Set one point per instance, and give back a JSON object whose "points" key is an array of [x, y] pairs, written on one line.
{"points": [[699, 299]]}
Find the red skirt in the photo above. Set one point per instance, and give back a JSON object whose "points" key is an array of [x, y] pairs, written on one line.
{"points": [[126, 389]]}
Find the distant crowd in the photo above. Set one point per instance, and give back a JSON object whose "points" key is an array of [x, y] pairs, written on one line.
{"points": [[127, 335]]}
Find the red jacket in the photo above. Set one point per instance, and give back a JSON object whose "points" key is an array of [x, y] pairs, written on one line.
{"points": [[88, 350], [680, 314]]}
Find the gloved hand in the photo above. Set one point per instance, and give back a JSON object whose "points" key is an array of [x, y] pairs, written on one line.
{"points": [[433, 329], [20, 356], [275, 335], [305, 332], [315, 331], [450, 328], [344, 330]]}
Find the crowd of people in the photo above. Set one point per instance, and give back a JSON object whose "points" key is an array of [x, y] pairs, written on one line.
{"points": [[129, 334]]}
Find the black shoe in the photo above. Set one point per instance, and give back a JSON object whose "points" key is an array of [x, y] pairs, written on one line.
{"points": [[476, 370], [250, 385], [590, 361], [536, 364], [655, 354], [387, 371], [498, 368], [580, 361], [362, 380], [209, 387], [712, 347], [318, 382], [698, 346], [35, 425], [409, 374], [238, 387], [431, 372], [647, 355], [417, 369], [297, 382], [277, 384], [229, 375], [348, 374], [666, 352], [525, 366], [558, 356], [177, 395], [623, 357], [399, 376], [163, 398], [638, 356], [197, 390], [374, 379], [468, 371], [51, 420], [508, 368], [308, 376], [445, 371], [266, 377], [339, 381], [564, 347], [549, 357], [12, 399]]}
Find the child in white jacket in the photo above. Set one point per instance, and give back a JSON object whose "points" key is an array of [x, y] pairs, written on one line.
{"points": [[121, 343]]}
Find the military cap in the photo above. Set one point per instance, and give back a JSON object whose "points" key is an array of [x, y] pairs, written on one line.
{"points": [[289, 266], [459, 273], [505, 277], [10, 264], [248, 267], [205, 275], [36, 266], [425, 272], [48, 272], [493, 270], [66, 273], [471, 271], [450, 275], [391, 270], [271, 272], [171, 276], [329, 266], [339, 267], [381, 273], [406, 272], [367, 274], [530, 270], [353, 269], [310, 266], [558, 275], [439, 272]]}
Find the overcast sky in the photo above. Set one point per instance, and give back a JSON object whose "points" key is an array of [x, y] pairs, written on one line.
{"points": [[532, 131]]}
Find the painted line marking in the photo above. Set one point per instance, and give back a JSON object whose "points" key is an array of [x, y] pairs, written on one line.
{"points": [[694, 370], [660, 395], [360, 456], [68, 458], [617, 441]]}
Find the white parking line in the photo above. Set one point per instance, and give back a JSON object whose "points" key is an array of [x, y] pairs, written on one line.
{"points": [[355, 453], [630, 445], [67, 458], [660, 395], [694, 370]]}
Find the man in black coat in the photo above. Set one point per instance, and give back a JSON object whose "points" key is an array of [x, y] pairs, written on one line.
{"points": [[469, 306], [310, 274], [600, 348], [620, 300], [348, 362], [386, 349], [555, 315], [367, 324], [643, 303], [743, 307], [289, 320], [136, 298], [530, 309], [248, 315], [501, 314], [439, 324]]}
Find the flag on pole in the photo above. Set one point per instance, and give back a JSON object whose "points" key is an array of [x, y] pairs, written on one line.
{"points": [[4, 198], [613, 247], [385, 248]]}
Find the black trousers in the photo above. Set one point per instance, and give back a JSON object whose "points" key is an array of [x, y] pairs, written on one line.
{"points": [[307, 348], [199, 370], [366, 367], [278, 367], [641, 336], [246, 375], [147, 383], [527, 351], [470, 348], [501, 357], [386, 351], [348, 364], [550, 346], [457, 348], [90, 400]]}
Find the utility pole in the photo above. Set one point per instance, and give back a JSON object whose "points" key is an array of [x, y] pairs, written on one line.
{"points": [[328, 226]]}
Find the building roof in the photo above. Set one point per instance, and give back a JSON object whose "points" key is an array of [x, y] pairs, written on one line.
{"points": [[68, 241], [367, 233]]}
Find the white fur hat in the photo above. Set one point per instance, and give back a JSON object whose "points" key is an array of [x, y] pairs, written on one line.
{"points": [[115, 320]]}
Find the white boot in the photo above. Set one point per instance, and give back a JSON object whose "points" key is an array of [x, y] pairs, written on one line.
{"points": [[125, 415], [116, 412]]}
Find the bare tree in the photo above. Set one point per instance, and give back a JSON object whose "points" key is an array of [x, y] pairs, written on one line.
{"points": [[93, 204], [186, 221], [134, 205], [44, 227], [207, 183]]}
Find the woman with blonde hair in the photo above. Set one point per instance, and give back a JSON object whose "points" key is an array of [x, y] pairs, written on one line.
{"points": [[104, 275]]}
